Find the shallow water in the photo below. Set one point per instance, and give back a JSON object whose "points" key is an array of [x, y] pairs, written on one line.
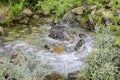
{"points": [[63, 63]]}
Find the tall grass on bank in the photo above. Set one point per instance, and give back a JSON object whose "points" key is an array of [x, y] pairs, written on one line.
{"points": [[102, 63]]}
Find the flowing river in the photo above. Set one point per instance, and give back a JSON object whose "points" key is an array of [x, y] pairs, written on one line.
{"points": [[68, 61]]}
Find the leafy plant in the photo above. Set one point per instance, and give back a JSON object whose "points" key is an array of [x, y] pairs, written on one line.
{"points": [[57, 7], [27, 69], [100, 62], [16, 6], [117, 41]]}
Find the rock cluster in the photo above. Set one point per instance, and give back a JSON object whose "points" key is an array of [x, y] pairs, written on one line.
{"points": [[57, 32], [90, 16], [81, 42]]}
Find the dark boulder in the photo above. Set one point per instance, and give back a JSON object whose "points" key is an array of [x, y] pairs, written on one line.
{"points": [[79, 44], [57, 32], [81, 35]]}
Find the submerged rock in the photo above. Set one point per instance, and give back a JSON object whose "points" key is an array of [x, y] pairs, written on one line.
{"points": [[76, 76], [49, 46], [57, 32], [1, 43], [79, 44], [81, 35]]}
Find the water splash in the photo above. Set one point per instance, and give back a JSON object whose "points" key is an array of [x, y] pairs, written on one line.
{"points": [[64, 63]]}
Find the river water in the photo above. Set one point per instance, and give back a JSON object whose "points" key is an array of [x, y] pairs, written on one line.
{"points": [[63, 63]]}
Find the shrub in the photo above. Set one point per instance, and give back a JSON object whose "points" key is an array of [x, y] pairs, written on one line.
{"points": [[58, 7], [16, 6], [28, 69], [100, 63]]}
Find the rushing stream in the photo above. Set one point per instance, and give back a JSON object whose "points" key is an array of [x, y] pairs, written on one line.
{"points": [[68, 61]]}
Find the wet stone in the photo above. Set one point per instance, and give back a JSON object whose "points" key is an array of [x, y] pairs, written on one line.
{"points": [[57, 32], [54, 76], [79, 44], [81, 35], [49, 46], [15, 58], [77, 75], [57, 48]]}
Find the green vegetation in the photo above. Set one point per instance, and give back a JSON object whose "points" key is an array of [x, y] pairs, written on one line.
{"points": [[103, 63], [46, 6], [27, 69], [103, 60], [16, 7], [57, 7]]}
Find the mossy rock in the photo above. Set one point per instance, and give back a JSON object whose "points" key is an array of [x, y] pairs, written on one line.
{"points": [[78, 10], [54, 76], [104, 13], [58, 48]]}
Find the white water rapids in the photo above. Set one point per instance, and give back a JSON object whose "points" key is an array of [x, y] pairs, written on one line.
{"points": [[63, 63]]}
